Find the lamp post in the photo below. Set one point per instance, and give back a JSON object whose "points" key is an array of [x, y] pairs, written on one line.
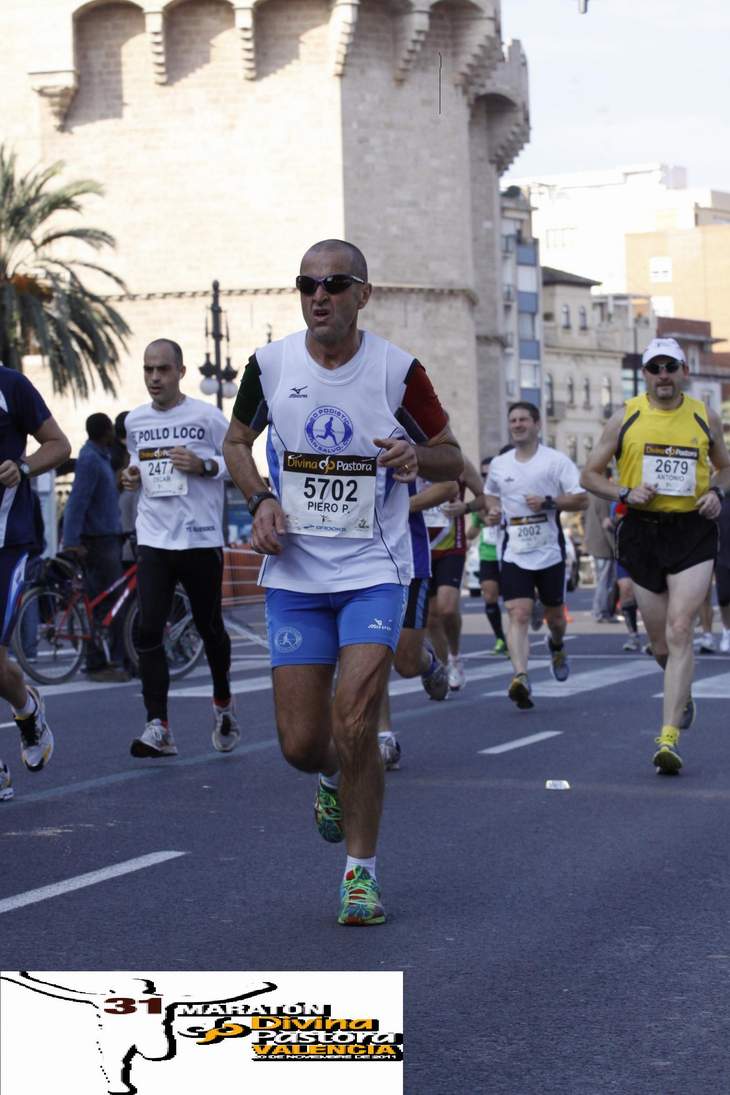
{"points": [[216, 379]]}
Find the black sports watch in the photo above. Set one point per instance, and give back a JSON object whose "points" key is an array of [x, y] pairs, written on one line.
{"points": [[23, 469], [719, 492], [549, 502], [210, 467], [256, 499], [623, 494]]}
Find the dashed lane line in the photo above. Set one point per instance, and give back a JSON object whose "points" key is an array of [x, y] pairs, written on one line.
{"points": [[518, 743], [79, 882]]}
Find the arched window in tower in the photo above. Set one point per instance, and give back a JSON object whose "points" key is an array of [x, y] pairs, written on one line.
{"points": [[565, 317], [583, 319], [549, 395], [571, 391], [606, 397], [587, 393]]}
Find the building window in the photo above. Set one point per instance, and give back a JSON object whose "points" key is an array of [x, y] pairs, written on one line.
{"points": [[526, 325], [583, 319], [571, 392], [693, 359], [660, 268], [586, 394], [549, 395], [571, 444], [587, 447], [508, 245], [565, 317]]}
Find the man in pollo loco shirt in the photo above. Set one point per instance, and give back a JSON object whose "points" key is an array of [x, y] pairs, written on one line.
{"points": [[175, 462]]}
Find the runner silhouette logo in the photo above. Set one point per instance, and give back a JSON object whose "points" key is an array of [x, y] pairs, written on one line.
{"points": [[328, 430]]}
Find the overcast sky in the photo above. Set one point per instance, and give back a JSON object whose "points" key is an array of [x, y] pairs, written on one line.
{"points": [[633, 81]]}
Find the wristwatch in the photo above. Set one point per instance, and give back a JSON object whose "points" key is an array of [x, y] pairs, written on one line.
{"points": [[719, 492], [623, 494], [549, 502], [23, 469], [210, 468], [256, 499]]}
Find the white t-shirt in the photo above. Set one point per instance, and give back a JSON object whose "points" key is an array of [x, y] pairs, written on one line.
{"points": [[533, 541], [176, 510]]}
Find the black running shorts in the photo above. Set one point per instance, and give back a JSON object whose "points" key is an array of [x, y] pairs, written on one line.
{"points": [[447, 570], [652, 545], [518, 582], [488, 570]]}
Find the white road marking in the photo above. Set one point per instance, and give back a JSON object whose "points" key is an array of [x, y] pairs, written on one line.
{"points": [[519, 742], [710, 688], [31, 897], [594, 678]]}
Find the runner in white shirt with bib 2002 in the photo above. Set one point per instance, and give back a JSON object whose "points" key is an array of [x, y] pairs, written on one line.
{"points": [[525, 490]]}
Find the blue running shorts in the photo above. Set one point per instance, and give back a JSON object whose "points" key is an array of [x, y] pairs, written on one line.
{"points": [[12, 576], [310, 628]]}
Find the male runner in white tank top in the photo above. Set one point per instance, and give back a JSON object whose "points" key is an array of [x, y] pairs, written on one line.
{"points": [[352, 420]]}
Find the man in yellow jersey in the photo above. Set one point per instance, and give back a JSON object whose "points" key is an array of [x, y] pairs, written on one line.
{"points": [[666, 444]]}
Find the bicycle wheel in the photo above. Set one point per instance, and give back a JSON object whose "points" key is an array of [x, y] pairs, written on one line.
{"points": [[183, 645], [48, 639]]}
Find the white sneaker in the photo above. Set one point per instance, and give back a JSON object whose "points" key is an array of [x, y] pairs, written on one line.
{"points": [[455, 672], [389, 751], [226, 732], [36, 739], [706, 645], [156, 741], [725, 642], [6, 784], [632, 643]]}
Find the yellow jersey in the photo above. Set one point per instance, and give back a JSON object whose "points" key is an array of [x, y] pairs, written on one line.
{"points": [[669, 450]]}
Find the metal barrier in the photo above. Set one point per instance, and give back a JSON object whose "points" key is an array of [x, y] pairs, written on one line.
{"points": [[240, 570]]}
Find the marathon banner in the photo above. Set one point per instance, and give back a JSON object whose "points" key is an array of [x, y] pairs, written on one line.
{"points": [[98, 1033]]}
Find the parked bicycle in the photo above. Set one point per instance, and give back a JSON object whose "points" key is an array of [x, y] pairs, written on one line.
{"points": [[57, 617]]}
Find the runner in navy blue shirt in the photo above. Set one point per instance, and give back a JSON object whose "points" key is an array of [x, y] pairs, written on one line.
{"points": [[23, 412]]}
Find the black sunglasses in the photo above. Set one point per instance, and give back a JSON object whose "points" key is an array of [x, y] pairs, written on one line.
{"points": [[332, 283], [668, 366]]}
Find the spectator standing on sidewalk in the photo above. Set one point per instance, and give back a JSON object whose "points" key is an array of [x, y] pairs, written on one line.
{"points": [[92, 529], [598, 541]]}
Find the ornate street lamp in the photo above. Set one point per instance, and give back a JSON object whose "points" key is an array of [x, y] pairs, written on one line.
{"points": [[216, 380]]}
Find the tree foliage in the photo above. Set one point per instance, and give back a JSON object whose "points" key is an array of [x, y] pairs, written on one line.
{"points": [[44, 305]]}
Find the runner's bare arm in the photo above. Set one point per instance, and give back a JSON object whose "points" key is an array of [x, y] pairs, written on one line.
{"points": [[440, 458], [709, 505], [54, 449], [433, 495], [593, 477], [269, 521]]}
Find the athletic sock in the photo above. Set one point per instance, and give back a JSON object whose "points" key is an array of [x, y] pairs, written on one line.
{"points": [[629, 611], [494, 615], [368, 864], [331, 782], [223, 704], [553, 645], [29, 707], [662, 660]]}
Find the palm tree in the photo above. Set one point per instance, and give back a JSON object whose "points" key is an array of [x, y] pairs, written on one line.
{"points": [[44, 305]]}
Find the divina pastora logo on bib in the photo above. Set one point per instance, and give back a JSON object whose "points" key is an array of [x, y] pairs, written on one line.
{"points": [[328, 429]]}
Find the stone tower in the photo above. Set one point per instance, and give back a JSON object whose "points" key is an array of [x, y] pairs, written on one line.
{"points": [[229, 136]]}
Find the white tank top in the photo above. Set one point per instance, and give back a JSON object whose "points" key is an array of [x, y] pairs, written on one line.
{"points": [[347, 518]]}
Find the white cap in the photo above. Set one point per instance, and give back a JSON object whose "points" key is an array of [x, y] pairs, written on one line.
{"points": [[663, 347]]}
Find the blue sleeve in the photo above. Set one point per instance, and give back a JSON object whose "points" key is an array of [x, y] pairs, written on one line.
{"points": [[29, 407], [74, 514]]}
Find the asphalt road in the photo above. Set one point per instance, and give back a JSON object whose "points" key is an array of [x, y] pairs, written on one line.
{"points": [[570, 941]]}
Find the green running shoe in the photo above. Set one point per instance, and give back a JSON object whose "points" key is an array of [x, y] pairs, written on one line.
{"points": [[360, 902], [666, 758], [500, 647], [328, 814]]}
